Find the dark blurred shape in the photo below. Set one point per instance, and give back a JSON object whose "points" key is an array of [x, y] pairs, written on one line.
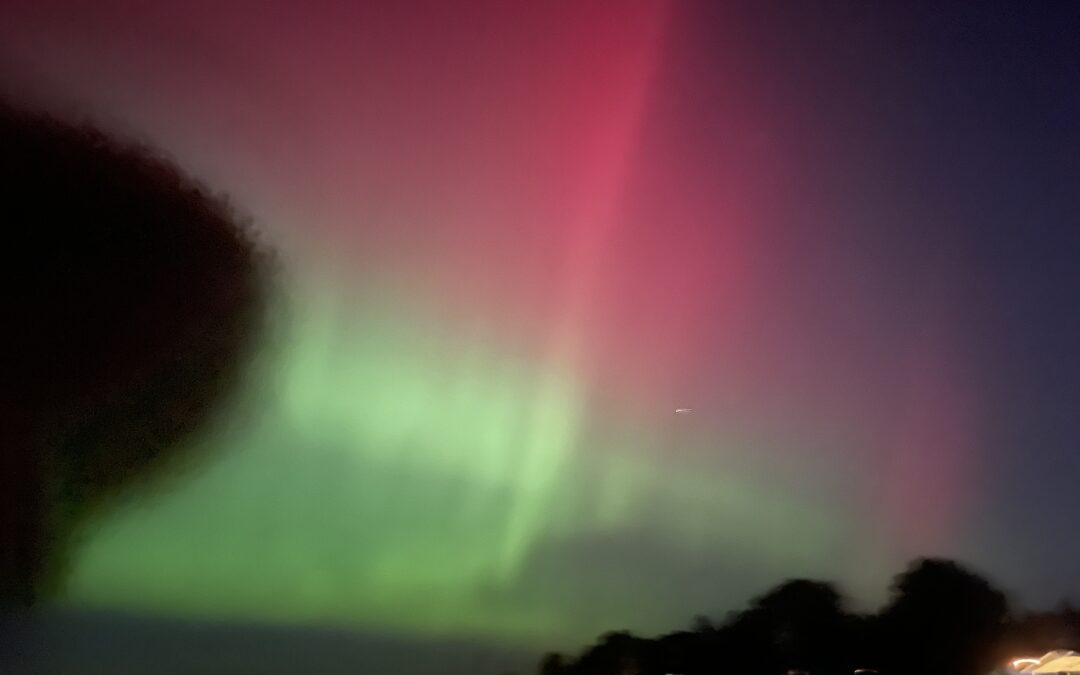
{"points": [[132, 295]]}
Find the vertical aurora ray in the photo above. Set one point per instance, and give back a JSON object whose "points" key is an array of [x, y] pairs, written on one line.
{"points": [[606, 154]]}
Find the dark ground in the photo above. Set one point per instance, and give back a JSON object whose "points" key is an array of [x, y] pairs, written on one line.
{"points": [[59, 642]]}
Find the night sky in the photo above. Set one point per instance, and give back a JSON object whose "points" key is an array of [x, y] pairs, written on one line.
{"points": [[517, 236]]}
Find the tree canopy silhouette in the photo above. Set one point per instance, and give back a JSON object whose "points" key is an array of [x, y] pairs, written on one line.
{"points": [[808, 627], [132, 296], [941, 619]]}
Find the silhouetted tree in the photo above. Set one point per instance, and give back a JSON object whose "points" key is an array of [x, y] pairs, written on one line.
{"points": [[809, 629], [684, 651], [702, 624], [942, 619], [553, 663], [617, 653], [130, 294]]}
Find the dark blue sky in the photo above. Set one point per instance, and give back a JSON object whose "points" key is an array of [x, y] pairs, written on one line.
{"points": [[967, 117]]}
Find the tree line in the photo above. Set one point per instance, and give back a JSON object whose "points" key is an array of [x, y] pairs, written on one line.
{"points": [[940, 619]]}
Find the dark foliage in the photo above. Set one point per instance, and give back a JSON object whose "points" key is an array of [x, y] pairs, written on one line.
{"points": [[940, 618], [131, 296]]}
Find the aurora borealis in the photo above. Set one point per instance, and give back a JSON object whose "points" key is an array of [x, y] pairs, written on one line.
{"points": [[518, 236]]}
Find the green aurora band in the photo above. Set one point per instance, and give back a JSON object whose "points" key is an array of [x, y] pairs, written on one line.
{"points": [[378, 473]]}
